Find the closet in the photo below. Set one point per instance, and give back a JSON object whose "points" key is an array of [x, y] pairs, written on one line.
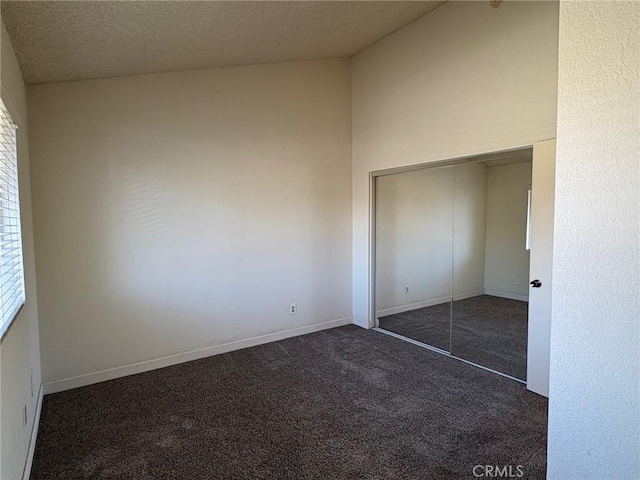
{"points": [[452, 245]]}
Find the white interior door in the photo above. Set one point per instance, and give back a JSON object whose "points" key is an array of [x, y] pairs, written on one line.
{"points": [[542, 205]]}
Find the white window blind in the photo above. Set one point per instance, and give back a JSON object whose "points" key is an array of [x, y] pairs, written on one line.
{"points": [[12, 294], [528, 240]]}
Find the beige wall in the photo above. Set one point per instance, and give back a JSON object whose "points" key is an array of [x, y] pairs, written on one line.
{"points": [[19, 350], [464, 80], [594, 391], [506, 257], [180, 211]]}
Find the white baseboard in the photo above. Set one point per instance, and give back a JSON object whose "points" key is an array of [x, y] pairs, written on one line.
{"points": [[412, 306], [26, 472], [361, 322], [509, 295], [464, 296], [147, 365], [437, 301]]}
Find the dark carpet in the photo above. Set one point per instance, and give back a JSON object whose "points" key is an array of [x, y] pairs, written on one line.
{"points": [[487, 330], [492, 331], [430, 325], [343, 403]]}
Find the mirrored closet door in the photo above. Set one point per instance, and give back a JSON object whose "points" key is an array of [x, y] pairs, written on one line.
{"points": [[414, 242], [452, 258]]}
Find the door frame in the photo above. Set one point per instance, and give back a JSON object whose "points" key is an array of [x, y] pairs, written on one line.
{"points": [[541, 265]]}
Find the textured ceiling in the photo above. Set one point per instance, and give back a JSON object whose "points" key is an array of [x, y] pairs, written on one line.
{"points": [[57, 41]]}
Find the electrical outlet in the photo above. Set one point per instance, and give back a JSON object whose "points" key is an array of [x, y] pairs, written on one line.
{"points": [[293, 308], [24, 416], [516, 282], [406, 289]]}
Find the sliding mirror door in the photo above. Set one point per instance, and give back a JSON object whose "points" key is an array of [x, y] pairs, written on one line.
{"points": [[452, 258], [491, 263], [414, 248]]}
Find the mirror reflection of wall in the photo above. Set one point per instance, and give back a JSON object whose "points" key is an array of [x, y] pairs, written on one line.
{"points": [[489, 326], [452, 263], [414, 248]]}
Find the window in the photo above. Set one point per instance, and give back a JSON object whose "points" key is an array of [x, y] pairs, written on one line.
{"points": [[528, 239], [12, 294]]}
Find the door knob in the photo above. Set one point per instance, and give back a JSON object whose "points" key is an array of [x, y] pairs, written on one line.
{"points": [[536, 283]]}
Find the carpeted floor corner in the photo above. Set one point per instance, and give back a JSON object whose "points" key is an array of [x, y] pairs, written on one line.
{"points": [[344, 403]]}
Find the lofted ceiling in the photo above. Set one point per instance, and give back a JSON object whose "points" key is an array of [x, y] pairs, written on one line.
{"points": [[74, 40]]}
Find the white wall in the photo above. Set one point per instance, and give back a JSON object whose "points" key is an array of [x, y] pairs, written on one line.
{"points": [[506, 257], [186, 210], [19, 350], [464, 80], [594, 398]]}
